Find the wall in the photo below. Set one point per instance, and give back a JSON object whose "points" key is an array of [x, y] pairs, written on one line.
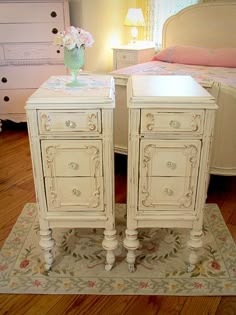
{"points": [[104, 20]]}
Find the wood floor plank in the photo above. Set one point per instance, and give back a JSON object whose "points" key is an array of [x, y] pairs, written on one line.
{"points": [[203, 305], [227, 306]]}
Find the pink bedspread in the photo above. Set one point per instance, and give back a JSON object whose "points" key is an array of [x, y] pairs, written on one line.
{"points": [[206, 76]]}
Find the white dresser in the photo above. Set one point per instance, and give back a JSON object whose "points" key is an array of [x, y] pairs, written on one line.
{"points": [[27, 54], [171, 120], [71, 140]]}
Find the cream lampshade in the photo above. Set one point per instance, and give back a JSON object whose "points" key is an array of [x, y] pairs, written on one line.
{"points": [[134, 18]]}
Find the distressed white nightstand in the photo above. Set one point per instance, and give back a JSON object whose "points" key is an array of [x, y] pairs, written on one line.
{"points": [[171, 121], [128, 55], [71, 140]]}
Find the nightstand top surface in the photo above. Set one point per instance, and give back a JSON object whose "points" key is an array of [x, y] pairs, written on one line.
{"points": [[96, 91], [165, 89], [139, 45]]}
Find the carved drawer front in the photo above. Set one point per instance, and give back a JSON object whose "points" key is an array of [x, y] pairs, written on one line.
{"points": [[168, 174], [167, 193], [169, 157], [172, 122], [72, 158], [74, 193], [69, 121]]}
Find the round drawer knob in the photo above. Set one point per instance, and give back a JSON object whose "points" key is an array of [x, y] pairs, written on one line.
{"points": [[174, 124], [4, 80], [171, 165], [76, 192], [54, 30], [73, 165], [6, 98], [70, 124], [168, 191], [53, 14]]}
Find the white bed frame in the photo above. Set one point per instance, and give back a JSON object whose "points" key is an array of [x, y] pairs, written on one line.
{"points": [[211, 25]]}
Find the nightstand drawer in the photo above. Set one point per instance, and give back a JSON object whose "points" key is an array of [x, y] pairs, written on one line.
{"points": [[126, 56], [167, 193], [87, 121], [172, 122], [74, 193], [169, 157], [72, 158]]}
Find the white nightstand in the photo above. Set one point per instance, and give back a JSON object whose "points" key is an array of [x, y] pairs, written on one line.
{"points": [[128, 55], [71, 141], [171, 122]]}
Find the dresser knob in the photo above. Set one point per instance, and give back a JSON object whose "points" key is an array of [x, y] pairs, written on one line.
{"points": [[168, 191], [171, 165], [174, 124], [73, 165], [76, 192], [6, 98], [4, 80], [70, 124], [54, 30], [53, 14]]}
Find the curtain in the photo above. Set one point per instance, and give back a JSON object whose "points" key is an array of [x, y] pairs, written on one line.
{"points": [[159, 11]]}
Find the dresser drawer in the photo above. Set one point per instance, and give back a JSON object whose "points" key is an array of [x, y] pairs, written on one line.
{"points": [[72, 158], [27, 76], [13, 101], [31, 51], [74, 193], [172, 122], [169, 157], [31, 12], [23, 33], [62, 122], [167, 193]]}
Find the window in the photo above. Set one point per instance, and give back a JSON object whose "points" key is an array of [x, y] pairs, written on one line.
{"points": [[159, 11]]}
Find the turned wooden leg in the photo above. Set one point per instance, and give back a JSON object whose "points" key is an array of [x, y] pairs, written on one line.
{"points": [[110, 244], [194, 243], [47, 243], [131, 243]]}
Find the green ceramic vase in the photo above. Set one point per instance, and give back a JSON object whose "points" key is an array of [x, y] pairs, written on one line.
{"points": [[74, 60]]}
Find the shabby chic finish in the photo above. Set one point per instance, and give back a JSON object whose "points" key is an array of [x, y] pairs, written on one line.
{"points": [[27, 55], [171, 121], [71, 140]]}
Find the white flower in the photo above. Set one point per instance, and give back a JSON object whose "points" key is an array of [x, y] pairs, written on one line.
{"points": [[73, 37]]}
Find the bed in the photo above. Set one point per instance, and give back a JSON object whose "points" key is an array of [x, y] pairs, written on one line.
{"points": [[211, 27]]}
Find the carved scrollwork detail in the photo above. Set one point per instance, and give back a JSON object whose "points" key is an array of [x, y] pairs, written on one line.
{"points": [[94, 202], [46, 122], [196, 119], [147, 154], [92, 121], [186, 201], [191, 151], [51, 151], [150, 121]]}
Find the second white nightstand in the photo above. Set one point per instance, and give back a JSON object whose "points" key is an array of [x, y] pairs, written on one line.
{"points": [[128, 55], [171, 121]]}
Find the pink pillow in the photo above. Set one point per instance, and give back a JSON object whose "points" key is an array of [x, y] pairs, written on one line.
{"points": [[217, 57]]}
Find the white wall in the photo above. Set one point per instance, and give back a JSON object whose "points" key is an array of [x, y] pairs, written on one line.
{"points": [[104, 20]]}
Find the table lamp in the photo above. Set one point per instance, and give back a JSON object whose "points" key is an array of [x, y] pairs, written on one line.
{"points": [[134, 18]]}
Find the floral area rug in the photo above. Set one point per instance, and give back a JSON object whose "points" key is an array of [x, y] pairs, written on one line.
{"points": [[162, 260]]}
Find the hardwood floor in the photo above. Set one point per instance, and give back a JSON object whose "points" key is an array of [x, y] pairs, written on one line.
{"points": [[16, 189]]}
